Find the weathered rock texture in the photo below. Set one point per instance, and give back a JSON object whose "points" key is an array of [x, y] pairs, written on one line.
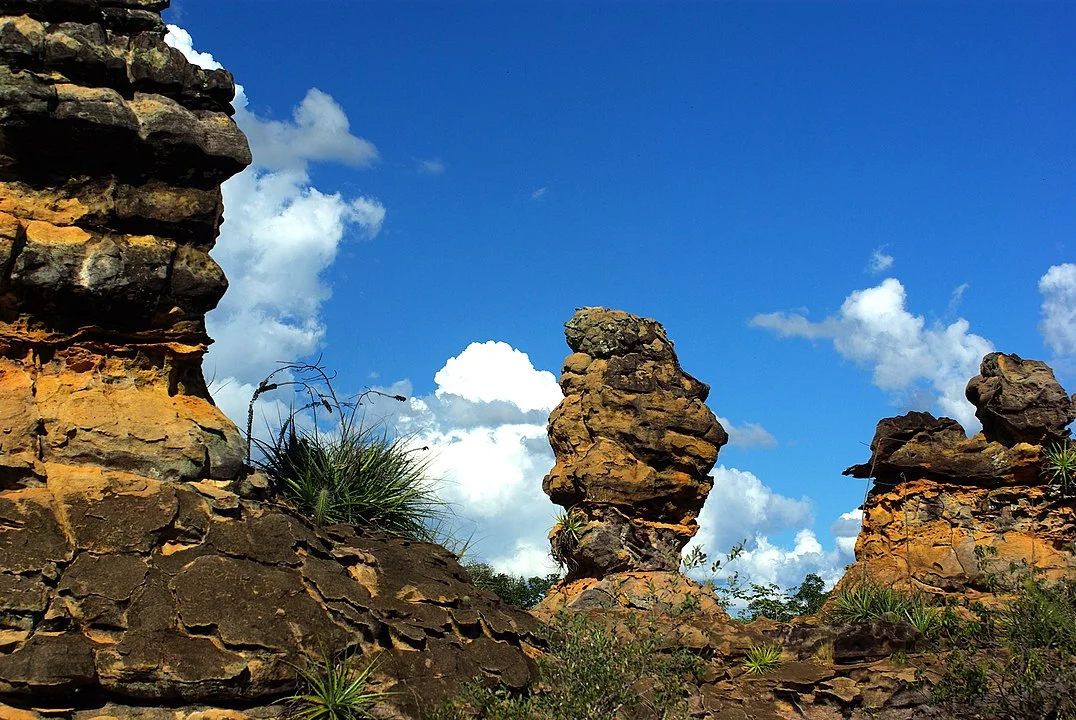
{"points": [[946, 512], [112, 152], [128, 568], [634, 442], [114, 585]]}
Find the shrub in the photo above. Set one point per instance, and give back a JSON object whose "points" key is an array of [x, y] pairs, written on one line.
{"points": [[769, 601], [517, 591], [762, 659], [590, 672], [1018, 660]]}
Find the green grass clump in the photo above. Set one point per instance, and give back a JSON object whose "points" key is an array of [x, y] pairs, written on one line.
{"points": [[762, 659], [590, 672], [866, 601], [356, 475], [334, 690]]}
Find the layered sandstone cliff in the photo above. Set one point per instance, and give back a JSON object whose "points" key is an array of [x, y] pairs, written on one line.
{"points": [[947, 513], [129, 569]]}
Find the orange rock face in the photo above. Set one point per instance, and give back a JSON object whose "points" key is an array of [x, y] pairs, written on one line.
{"points": [[634, 442], [112, 152], [950, 514]]}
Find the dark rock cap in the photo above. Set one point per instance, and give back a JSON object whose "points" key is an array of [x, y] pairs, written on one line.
{"points": [[1020, 400]]}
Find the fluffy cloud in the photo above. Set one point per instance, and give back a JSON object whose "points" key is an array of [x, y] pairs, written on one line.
{"points": [[879, 262], [1058, 326], [742, 508], [495, 371], [319, 131], [280, 232], [485, 427], [874, 328], [747, 435]]}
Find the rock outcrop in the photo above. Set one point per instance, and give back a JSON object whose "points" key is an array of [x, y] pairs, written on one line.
{"points": [[113, 585], [130, 570], [634, 442], [948, 513], [112, 152]]}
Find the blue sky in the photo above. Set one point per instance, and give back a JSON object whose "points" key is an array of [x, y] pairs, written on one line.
{"points": [[834, 208]]}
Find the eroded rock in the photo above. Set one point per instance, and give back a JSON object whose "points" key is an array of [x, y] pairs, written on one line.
{"points": [[949, 514], [634, 442]]}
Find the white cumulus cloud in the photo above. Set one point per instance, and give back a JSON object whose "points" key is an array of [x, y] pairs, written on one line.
{"points": [[492, 371], [485, 427], [279, 236], [874, 328], [1058, 325]]}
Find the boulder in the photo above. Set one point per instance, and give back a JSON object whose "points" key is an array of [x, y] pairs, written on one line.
{"points": [[1019, 400]]}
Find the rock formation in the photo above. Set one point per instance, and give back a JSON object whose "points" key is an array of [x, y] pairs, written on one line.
{"points": [[946, 512], [634, 442], [129, 569]]}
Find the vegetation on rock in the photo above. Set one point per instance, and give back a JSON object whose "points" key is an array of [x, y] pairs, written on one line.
{"points": [[334, 690], [592, 670], [351, 473]]}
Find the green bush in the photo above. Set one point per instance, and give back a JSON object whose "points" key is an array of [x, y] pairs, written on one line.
{"points": [[866, 601], [769, 601], [517, 591], [1017, 660], [590, 672]]}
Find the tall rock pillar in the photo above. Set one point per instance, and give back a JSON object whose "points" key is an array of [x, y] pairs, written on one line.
{"points": [[112, 151], [634, 443]]}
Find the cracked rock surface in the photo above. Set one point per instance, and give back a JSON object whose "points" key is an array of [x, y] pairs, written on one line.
{"points": [[118, 585]]}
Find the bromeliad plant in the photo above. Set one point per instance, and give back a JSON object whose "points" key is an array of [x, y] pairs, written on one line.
{"points": [[762, 659], [567, 531], [334, 690], [351, 473], [1059, 465]]}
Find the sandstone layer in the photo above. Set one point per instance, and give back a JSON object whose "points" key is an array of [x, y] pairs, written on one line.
{"points": [[949, 514], [112, 152], [131, 574], [634, 442]]}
